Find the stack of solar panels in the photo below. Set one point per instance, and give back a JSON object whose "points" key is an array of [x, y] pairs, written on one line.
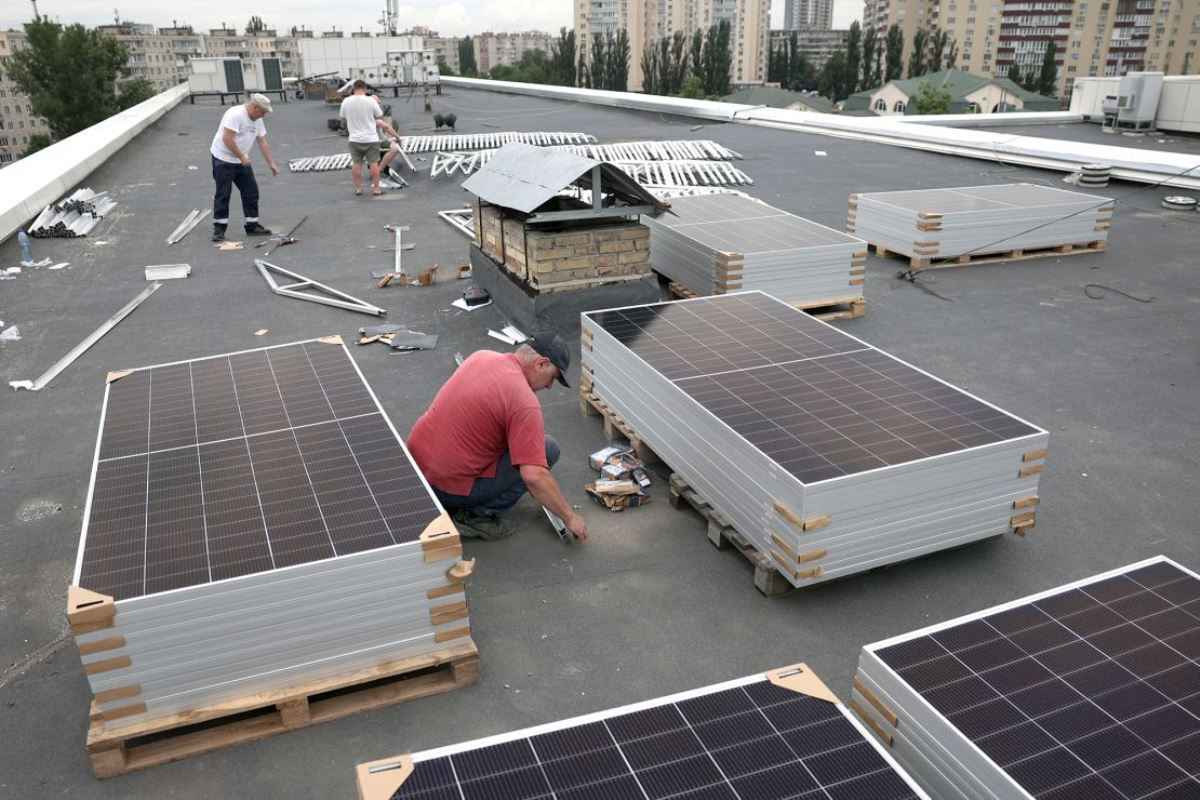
{"points": [[1087, 691], [721, 243], [254, 522], [830, 456], [778, 735], [975, 220]]}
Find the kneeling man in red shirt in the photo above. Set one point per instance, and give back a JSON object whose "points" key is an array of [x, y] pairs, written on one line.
{"points": [[482, 444]]}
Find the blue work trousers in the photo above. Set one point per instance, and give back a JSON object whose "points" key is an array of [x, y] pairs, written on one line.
{"points": [[226, 176], [496, 495]]}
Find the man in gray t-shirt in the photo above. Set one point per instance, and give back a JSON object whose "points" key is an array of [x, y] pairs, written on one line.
{"points": [[364, 120]]}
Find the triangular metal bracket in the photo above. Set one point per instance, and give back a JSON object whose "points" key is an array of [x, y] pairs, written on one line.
{"points": [[307, 289]]}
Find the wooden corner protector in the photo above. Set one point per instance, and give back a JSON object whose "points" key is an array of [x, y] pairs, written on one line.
{"points": [[876, 703], [789, 515], [460, 571], [1035, 455], [802, 680], [379, 780], [84, 605], [817, 522], [116, 375], [335, 339]]}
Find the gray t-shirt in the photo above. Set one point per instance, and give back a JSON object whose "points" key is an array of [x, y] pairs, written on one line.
{"points": [[360, 113]]}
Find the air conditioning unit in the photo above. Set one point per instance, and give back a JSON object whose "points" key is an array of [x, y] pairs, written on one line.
{"points": [[216, 75]]}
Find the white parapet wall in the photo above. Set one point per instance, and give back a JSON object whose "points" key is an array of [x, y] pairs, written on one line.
{"points": [[941, 135], [30, 184]]}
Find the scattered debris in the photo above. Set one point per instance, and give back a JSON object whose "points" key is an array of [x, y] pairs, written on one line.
{"points": [[819, 153], [261, 332], [458, 359], [308, 289], [509, 334], [231, 246], [79, 349], [60, 265], [462, 303], [73, 216], [184, 228], [617, 495], [463, 272], [191, 167], [10, 273], [166, 272], [1087, 290], [10, 334]]}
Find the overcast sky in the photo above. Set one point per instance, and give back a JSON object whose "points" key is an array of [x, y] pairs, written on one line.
{"points": [[448, 17]]}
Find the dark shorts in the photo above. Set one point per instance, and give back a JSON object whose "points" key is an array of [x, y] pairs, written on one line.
{"points": [[364, 152]]}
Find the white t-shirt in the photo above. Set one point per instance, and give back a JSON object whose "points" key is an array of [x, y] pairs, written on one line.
{"points": [[245, 132], [360, 113]]}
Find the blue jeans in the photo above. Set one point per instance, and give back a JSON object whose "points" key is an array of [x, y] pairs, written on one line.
{"points": [[226, 176], [496, 495]]}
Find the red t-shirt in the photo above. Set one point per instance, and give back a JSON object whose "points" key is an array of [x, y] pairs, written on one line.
{"points": [[484, 409]]}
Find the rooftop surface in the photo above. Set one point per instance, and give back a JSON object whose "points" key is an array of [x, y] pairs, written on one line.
{"points": [[646, 606], [1091, 133]]}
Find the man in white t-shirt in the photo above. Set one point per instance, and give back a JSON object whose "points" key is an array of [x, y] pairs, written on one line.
{"points": [[364, 120], [241, 127]]}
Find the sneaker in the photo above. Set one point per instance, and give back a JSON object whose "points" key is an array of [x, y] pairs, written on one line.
{"points": [[488, 529], [257, 230], [218, 236]]}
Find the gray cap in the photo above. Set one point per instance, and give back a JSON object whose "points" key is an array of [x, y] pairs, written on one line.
{"points": [[262, 101], [552, 346]]}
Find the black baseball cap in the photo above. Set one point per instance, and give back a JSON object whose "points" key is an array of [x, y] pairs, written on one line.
{"points": [[552, 346]]}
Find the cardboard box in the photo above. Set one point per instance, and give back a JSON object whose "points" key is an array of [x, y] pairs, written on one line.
{"points": [[598, 459]]}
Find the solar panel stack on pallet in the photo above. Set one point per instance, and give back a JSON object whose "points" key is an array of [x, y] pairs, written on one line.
{"points": [[717, 244], [830, 456], [975, 223], [1089, 691], [778, 735], [254, 522]]}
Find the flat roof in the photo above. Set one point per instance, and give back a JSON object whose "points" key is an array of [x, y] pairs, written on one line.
{"points": [[1092, 133], [646, 607]]}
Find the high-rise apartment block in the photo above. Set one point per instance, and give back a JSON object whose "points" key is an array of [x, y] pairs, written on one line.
{"points": [[815, 45], [17, 122], [649, 20], [811, 14], [160, 56], [228, 43], [1092, 38], [505, 49]]}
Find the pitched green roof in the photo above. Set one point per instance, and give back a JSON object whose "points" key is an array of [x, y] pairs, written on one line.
{"points": [[771, 97], [958, 83]]}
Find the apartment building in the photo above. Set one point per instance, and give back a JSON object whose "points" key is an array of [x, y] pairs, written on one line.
{"points": [[1092, 37], [228, 43], [649, 20], [807, 14], [160, 56], [505, 49], [815, 45], [17, 122]]}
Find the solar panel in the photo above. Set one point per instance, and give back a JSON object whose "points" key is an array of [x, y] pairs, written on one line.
{"points": [[766, 737], [829, 455], [254, 522], [714, 244], [1091, 690], [231, 465]]}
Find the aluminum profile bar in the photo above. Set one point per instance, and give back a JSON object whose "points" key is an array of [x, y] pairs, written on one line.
{"points": [[461, 219], [79, 349], [193, 219], [303, 289]]}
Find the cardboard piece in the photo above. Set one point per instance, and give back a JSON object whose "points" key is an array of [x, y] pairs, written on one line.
{"points": [[799, 678], [617, 495], [379, 780]]}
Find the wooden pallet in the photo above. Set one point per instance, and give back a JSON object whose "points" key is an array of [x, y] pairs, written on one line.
{"points": [[161, 741], [932, 260], [767, 579], [614, 427], [828, 310]]}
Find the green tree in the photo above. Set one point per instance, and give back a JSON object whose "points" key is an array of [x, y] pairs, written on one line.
{"points": [[466, 57], [255, 26], [951, 57], [1048, 79], [443, 67], [618, 62], [870, 59], [1014, 73], [71, 76], [674, 64], [717, 59], [893, 53], [37, 142], [693, 89], [832, 81], [562, 56], [937, 56], [651, 70], [917, 63], [931, 100], [696, 54], [853, 59]]}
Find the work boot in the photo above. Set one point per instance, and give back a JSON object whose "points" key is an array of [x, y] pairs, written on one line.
{"points": [[488, 529], [218, 234], [257, 230]]}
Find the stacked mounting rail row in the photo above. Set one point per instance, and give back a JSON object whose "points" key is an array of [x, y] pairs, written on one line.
{"points": [[254, 522], [830, 456], [782, 734], [1087, 691], [721, 243], [929, 224]]}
